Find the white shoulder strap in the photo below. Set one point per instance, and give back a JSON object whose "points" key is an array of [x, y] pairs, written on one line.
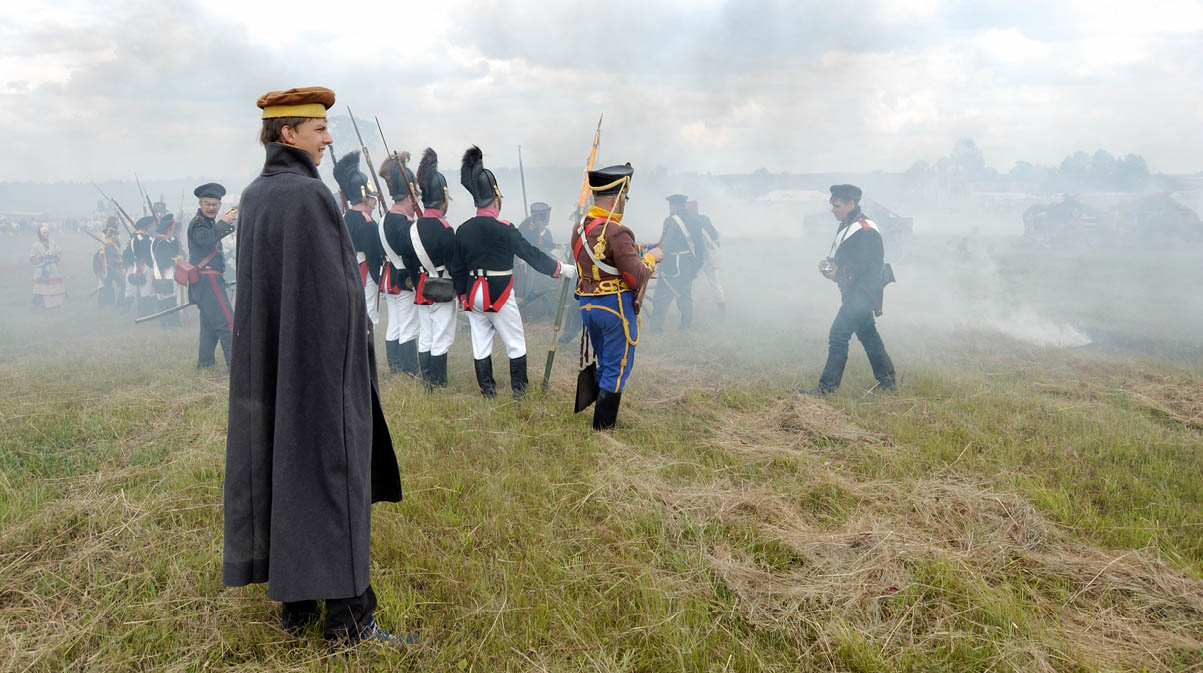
{"points": [[688, 238], [580, 232], [393, 257], [423, 257]]}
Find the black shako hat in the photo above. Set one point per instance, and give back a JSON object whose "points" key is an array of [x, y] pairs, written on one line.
{"points": [[354, 184], [611, 180], [396, 173], [209, 190], [145, 223], [477, 179], [431, 181], [165, 223], [676, 199], [539, 207], [846, 192]]}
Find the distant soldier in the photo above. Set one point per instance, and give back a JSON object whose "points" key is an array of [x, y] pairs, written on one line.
{"points": [[308, 449], [401, 337], [538, 293], [108, 267], [534, 228], [612, 273], [856, 266], [684, 253], [139, 264], [487, 247], [430, 254], [365, 233], [44, 255], [165, 248], [205, 232], [710, 266]]}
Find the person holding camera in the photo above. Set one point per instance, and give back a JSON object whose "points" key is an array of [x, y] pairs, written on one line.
{"points": [[855, 265]]}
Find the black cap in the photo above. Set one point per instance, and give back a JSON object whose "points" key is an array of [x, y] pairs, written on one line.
{"points": [[539, 207], [611, 180], [477, 179], [676, 199], [209, 190], [353, 183], [432, 183], [846, 192], [145, 223]]}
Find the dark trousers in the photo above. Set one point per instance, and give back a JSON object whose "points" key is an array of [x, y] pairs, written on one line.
{"points": [[345, 617], [216, 318], [855, 317], [679, 287]]}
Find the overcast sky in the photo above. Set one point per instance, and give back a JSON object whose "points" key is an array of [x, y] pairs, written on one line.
{"points": [[97, 90]]}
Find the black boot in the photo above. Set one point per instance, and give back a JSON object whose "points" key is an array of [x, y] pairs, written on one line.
{"points": [[390, 355], [484, 377], [518, 380], [424, 365], [605, 414], [407, 357], [438, 370]]}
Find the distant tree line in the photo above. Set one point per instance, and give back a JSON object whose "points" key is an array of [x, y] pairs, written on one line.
{"points": [[965, 170]]}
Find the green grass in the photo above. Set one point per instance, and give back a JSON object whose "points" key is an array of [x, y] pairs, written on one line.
{"points": [[1010, 508]]}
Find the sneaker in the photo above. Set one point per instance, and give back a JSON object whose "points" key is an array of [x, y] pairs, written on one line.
{"points": [[371, 634], [813, 392]]}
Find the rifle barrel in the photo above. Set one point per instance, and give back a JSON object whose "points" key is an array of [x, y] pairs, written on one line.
{"points": [[368, 159]]}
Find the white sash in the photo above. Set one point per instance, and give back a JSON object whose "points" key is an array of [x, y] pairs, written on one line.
{"points": [[423, 257], [688, 238], [580, 232], [393, 257]]}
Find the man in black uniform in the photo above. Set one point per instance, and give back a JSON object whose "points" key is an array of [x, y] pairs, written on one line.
{"points": [[165, 248], [538, 294], [397, 283], [209, 293], [684, 253], [487, 247], [429, 253], [365, 234], [139, 263], [856, 267]]}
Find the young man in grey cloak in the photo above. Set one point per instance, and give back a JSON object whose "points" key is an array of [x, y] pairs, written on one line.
{"points": [[308, 450]]}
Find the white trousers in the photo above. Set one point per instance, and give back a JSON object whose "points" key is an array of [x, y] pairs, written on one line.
{"points": [[507, 323], [710, 271], [437, 331], [371, 292], [402, 317]]}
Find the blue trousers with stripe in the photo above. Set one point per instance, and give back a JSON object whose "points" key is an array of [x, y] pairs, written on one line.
{"points": [[614, 331]]}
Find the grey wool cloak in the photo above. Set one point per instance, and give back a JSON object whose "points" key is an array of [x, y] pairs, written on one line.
{"points": [[307, 450]]}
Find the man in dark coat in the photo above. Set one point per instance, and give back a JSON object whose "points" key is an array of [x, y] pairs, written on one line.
{"points": [[856, 267], [205, 232], [165, 248], [684, 253], [308, 450]]}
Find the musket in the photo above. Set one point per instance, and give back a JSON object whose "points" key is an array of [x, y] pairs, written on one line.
{"points": [[144, 196], [522, 175], [397, 158], [120, 210], [371, 169], [99, 239], [342, 200], [173, 309], [581, 202]]}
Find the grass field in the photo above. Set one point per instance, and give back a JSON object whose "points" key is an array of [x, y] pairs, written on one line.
{"points": [[1009, 508]]}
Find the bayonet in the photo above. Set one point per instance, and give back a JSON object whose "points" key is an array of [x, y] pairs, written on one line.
{"points": [[371, 169]]}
